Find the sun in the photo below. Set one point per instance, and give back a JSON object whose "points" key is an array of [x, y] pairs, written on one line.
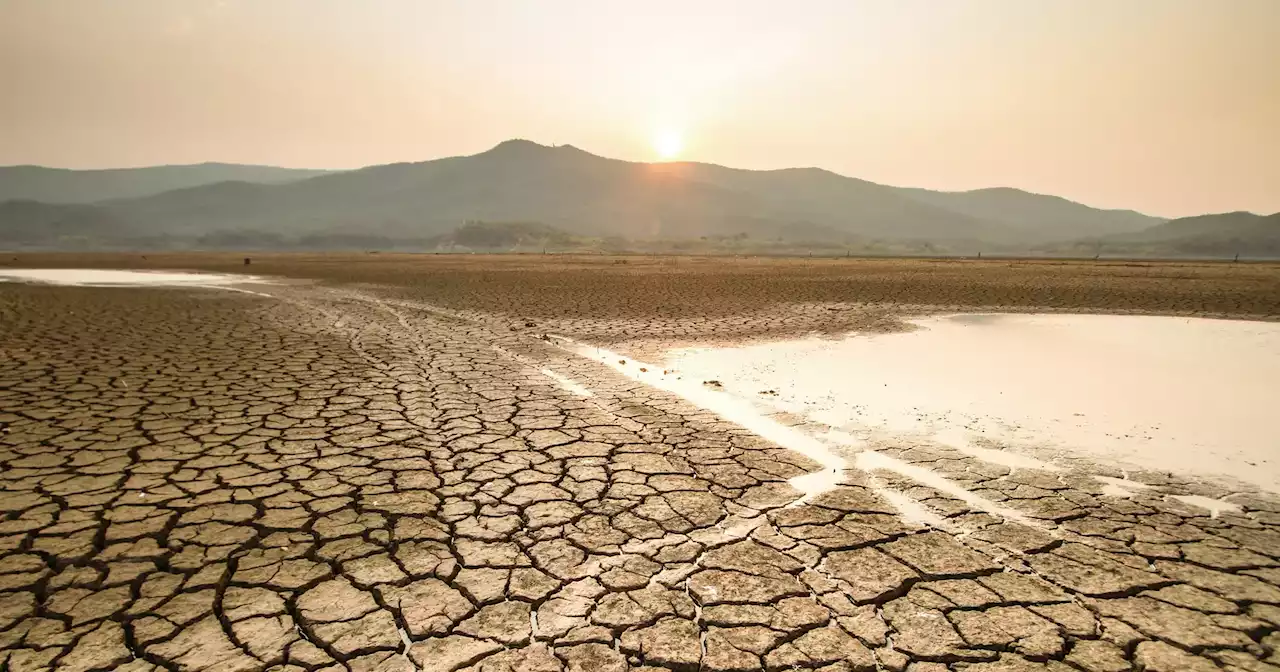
{"points": [[668, 143]]}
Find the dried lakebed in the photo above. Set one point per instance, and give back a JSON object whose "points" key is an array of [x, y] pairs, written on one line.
{"points": [[325, 479]]}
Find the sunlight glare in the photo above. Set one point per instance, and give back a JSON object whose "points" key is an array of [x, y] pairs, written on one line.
{"points": [[668, 144]]}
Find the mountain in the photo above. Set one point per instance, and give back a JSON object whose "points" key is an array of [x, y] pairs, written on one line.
{"points": [[1036, 216], [1223, 235], [59, 185], [562, 187], [570, 189], [588, 196], [26, 222], [843, 203]]}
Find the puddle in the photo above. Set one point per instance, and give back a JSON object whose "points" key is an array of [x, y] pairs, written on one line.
{"points": [[741, 411], [1120, 487], [961, 441], [567, 384], [911, 511], [1215, 507], [88, 277], [1193, 396], [870, 460], [709, 395]]}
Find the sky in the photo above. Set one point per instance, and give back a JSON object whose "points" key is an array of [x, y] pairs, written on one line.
{"points": [[1169, 107]]}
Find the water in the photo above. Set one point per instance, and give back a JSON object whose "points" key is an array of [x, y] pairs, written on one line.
{"points": [[568, 384], [1215, 506], [743, 412], [1192, 396], [87, 277], [870, 460]]}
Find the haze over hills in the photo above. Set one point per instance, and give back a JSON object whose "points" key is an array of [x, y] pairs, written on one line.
{"points": [[61, 185], [26, 223], [563, 187], [1212, 235], [559, 196], [1037, 215]]}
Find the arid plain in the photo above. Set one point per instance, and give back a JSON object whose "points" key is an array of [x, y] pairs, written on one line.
{"points": [[402, 462]]}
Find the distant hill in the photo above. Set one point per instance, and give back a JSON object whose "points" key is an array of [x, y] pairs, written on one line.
{"points": [[24, 222], [573, 190], [834, 203], [562, 187], [1036, 216], [1223, 235], [59, 185], [582, 195]]}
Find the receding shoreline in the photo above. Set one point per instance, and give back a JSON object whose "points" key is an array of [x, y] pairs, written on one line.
{"points": [[559, 286]]}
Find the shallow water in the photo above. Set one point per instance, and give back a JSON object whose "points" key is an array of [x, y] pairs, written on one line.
{"points": [[92, 277], [1193, 396], [741, 411], [568, 384]]}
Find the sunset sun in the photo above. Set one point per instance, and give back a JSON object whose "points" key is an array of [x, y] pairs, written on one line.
{"points": [[668, 144]]}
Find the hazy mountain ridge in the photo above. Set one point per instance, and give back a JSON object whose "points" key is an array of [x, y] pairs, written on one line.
{"points": [[576, 195], [1041, 216], [1227, 223], [27, 222], [61, 185], [1224, 234], [846, 204]]}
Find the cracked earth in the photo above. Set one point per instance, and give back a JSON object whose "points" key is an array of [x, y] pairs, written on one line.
{"points": [[330, 479]]}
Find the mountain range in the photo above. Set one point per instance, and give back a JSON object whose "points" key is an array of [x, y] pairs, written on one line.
{"points": [[60, 185], [569, 192], [1222, 235]]}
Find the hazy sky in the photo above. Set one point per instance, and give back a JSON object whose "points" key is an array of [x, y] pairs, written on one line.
{"points": [[1167, 106]]}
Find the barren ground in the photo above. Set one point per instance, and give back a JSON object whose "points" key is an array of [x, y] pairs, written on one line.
{"points": [[370, 470]]}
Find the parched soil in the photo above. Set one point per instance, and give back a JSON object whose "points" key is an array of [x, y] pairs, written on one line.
{"points": [[339, 476], [554, 286], [645, 305]]}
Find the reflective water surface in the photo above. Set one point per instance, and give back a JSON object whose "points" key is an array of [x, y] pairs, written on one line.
{"points": [[93, 277], [1194, 396]]}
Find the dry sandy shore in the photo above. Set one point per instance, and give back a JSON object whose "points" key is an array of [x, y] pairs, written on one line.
{"points": [[387, 468]]}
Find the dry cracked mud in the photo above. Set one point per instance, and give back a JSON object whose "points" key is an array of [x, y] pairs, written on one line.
{"points": [[335, 478]]}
